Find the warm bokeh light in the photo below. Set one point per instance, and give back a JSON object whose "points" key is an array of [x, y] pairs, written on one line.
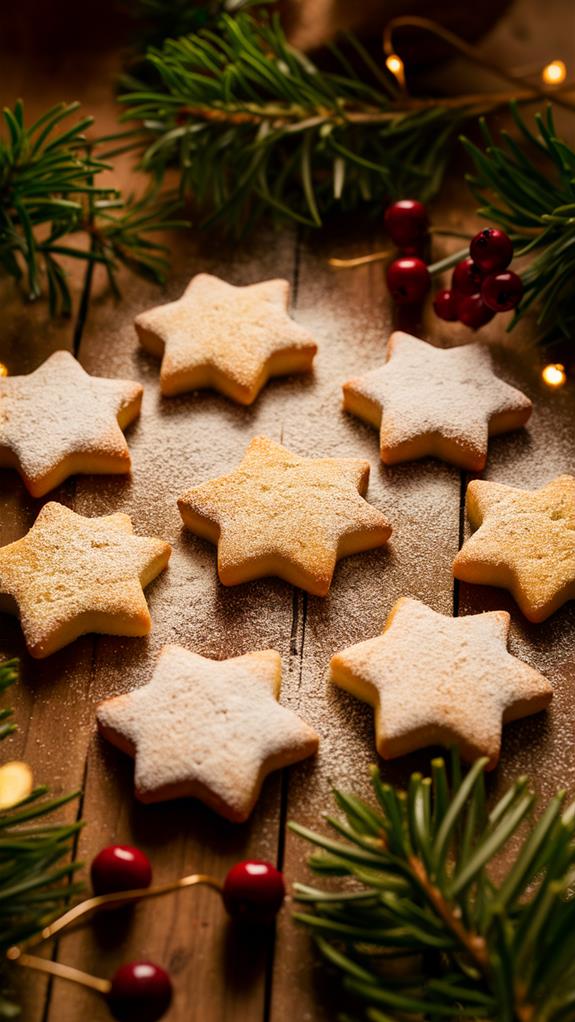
{"points": [[394, 64], [554, 375], [554, 73], [16, 783], [3, 369]]}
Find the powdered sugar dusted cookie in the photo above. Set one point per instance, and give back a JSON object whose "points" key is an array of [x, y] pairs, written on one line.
{"points": [[230, 338], [279, 514], [211, 729], [58, 421], [436, 401], [435, 679], [70, 575], [525, 542]]}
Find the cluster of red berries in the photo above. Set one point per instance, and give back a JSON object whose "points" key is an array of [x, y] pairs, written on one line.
{"points": [[481, 284], [252, 892]]}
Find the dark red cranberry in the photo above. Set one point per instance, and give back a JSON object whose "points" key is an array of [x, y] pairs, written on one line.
{"points": [[140, 992], [502, 291], [491, 249], [466, 278], [445, 305], [473, 312], [120, 868], [406, 222], [408, 280], [253, 892]]}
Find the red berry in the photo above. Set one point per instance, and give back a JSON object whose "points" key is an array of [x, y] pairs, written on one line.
{"points": [[253, 892], [408, 280], [406, 222], [140, 992], [473, 312], [466, 277], [502, 291], [120, 868], [445, 305], [491, 249]]}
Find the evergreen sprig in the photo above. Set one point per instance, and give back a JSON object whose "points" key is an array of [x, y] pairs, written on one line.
{"points": [[475, 941], [49, 192], [35, 871], [528, 187], [253, 125]]}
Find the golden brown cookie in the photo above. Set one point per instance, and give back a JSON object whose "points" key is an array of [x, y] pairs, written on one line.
{"points": [[70, 575], [444, 402], [279, 514], [525, 542], [210, 729], [434, 679], [230, 338], [58, 421]]}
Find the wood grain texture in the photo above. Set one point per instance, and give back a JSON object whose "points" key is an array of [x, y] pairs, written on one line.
{"points": [[220, 977]]}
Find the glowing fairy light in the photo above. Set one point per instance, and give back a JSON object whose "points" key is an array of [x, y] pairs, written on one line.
{"points": [[395, 64], [554, 73], [554, 375], [3, 369]]}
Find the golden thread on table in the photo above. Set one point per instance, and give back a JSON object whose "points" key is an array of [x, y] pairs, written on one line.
{"points": [[18, 954]]}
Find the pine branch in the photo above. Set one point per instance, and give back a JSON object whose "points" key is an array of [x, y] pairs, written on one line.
{"points": [[35, 871], [254, 126], [424, 891], [52, 208], [528, 186]]}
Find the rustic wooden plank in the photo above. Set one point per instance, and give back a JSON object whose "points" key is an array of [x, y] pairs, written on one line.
{"points": [[540, 746], [178, 442], [350, 311], [53, 718], [47, 692]]}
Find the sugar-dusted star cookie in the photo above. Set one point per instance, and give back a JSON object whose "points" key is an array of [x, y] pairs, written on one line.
{"points": [[525, 542], [444, 402], [211, 729], [279, 514], [441, 680], [230, 338], [70, 575], [58, 421]]}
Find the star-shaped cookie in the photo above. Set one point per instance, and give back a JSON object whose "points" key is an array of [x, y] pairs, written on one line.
{"points": [[230, 338], [444, 402], [279, 514], [210, 729], [441, 680], [70, 575], [59, 421], [525, 542]]}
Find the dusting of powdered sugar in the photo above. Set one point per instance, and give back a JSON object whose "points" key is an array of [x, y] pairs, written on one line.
{"points": [[70, 575], [442, 677], [423, 390], [59, 412], [295, 511], [234, 329], [208, 728]]}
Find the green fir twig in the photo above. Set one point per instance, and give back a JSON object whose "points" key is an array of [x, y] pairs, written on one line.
{"points": [[35, 868], [473, 941], [255, 126], [52, 208]]}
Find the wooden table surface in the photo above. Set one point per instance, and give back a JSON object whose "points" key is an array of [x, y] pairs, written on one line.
{"points": [[179, 442]]}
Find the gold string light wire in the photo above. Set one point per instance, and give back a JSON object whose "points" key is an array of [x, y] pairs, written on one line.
{"points": [[18, 954]]}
